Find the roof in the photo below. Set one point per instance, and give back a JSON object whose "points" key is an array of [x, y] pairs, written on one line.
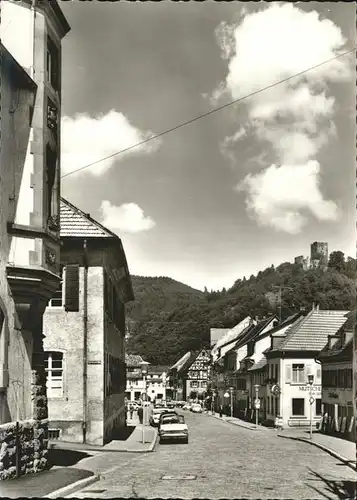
{"points": [[230, 337], [341, 346], [75, 223], [189, 361], [259, 364], [133, 360], [216, 334], [254, 331], [15, 72], [159, 369], [178, 365], [312, 331]]}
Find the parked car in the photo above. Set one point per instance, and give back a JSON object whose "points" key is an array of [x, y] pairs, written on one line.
{"points": [[173, 426], [196, 408], [168, 413], [187, 406], [155, 416]]}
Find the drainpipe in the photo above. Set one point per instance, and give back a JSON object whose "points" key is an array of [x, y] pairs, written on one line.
{"points": [[85, 339], [33, 11]]}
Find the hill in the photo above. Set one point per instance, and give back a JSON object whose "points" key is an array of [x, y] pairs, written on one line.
{"points": [[169, 318]]}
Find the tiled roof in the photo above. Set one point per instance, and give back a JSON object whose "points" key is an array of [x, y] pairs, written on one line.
{"points": [[259, 364], [133, 359], [74, 223], [340, 346], [178, 365], [230, 337], [189, 361], [311, 332], [253, 332], [216, 334], [158, 369]]}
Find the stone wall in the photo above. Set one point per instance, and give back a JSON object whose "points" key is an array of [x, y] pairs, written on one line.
{"points": [[26, 444]]}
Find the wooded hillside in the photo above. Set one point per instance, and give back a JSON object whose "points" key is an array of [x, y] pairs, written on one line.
{"points": [[169, 318]]}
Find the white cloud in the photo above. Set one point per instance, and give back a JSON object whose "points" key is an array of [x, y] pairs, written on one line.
{"points": [[128, 217], [280, 196], [87, 139], [294, 119]]}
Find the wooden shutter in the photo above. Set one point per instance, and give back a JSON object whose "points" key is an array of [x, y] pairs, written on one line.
{"points": [[288, 374], [72, 288]]}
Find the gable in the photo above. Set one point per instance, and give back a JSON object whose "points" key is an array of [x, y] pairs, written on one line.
{"points": [[75, 223]]}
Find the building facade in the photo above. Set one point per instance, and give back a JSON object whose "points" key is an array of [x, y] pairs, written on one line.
{"points": [[84, 328], [196, 375], [291, 358], [157, 382], [31, 38], [135, 384], [336, 360]]}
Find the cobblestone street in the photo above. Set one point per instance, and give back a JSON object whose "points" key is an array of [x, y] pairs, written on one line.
{"points": [[221, 461]]}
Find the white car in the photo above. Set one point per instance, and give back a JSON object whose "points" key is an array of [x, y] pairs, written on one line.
{"points": [[173, 427], [155, 416], [196, 408]]}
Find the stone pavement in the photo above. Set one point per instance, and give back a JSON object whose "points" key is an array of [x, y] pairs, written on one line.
{"points": [[44, 483], [337, 447], [67, 475]]}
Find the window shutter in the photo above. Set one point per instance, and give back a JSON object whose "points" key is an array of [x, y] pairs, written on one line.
{"points": [[72, 288], [288, 374]]}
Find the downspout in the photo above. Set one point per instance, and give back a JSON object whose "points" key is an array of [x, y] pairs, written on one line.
{"points": [[33, 11], [85, 339]]}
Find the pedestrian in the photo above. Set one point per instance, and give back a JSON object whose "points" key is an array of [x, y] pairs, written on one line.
{"points": [[131, 411], [279, 423], [140, 414], [220, 411]]}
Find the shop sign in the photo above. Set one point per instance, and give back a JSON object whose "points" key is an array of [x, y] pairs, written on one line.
{"points": [[315, 389]]}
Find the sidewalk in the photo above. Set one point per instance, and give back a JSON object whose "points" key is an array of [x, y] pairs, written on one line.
{"points": [[239, 422], [132, 444], [339, 448], [66, 475]]}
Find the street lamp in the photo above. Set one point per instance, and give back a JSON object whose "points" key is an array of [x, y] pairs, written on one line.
{"points": [[144, 371], [231, 389], [256, 403], [310, 380]]}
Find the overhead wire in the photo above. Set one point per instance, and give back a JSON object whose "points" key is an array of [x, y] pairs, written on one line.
{"points": [[203, 115]]}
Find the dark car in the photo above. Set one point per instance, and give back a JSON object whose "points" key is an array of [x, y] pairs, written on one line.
{"points": [[167, 413]]}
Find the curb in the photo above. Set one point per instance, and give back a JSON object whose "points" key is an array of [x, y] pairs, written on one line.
{"points": [[324, 448], [72, 488], [57, 446], [237, 424]]}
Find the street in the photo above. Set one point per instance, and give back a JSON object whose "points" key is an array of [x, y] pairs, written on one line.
{"points": [[221, 461]]}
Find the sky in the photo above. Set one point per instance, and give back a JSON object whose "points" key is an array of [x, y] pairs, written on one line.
{"points": [[227, 195]]}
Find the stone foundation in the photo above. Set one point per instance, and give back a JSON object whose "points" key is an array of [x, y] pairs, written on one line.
{"points": [[26, 445]]}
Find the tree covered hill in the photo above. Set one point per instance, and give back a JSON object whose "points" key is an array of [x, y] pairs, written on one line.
{"points": [[169, 318]]}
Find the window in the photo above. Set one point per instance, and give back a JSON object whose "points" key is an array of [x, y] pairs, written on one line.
{"points": [[298, 373], [53, 65], [194, 383], [54, 373], [51, 171], [57, 299], [318, 407], [298, 407], [203, 383]]}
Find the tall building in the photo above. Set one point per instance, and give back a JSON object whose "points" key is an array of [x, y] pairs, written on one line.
{"points": [[31, 33], [319, 252], [84, 327]]}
